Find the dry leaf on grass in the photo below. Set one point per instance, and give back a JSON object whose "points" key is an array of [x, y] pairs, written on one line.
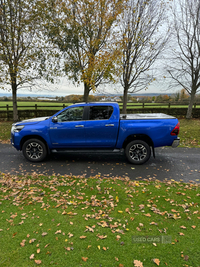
{"points": [[137, 263], [32, 257], [156, 261], [38, 262], [84, 258]]}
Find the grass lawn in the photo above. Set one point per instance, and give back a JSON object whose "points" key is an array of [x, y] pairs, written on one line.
{"points": [[68, 221]]}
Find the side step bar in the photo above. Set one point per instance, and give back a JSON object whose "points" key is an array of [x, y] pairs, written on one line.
{"points": [[87, 150]]}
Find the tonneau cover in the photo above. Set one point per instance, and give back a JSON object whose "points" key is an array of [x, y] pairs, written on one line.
{"points": [[145, 116]]}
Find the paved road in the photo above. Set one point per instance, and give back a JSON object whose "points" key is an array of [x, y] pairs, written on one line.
{"points": [[178, 163]]}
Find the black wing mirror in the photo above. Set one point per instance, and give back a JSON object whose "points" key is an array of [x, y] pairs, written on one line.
{"points": [[55, 119]]}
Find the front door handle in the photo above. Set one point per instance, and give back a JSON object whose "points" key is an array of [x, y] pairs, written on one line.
{"points": [[109, 125], [79, 126]]}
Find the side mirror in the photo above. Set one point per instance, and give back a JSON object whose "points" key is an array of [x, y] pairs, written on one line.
{"points": [[54, 119]]}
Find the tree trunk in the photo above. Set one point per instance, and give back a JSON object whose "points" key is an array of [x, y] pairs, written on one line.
{"points": [[189, 111], [86, 92], [125, 96], [14, 96]]}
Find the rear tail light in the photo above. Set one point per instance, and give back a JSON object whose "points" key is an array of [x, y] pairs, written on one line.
{"points": [[175, 131]]}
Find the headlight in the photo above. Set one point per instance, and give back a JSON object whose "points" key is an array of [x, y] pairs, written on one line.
{"points": [[17, 128]]}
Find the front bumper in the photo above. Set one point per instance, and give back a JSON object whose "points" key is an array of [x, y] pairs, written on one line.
{"points": [[176, 142]]}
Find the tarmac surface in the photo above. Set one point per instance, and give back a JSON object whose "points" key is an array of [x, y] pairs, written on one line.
{"points": [[170, 163]]}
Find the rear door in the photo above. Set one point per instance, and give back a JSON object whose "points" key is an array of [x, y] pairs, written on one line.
{"points": [[101, 128], [69, 130]]}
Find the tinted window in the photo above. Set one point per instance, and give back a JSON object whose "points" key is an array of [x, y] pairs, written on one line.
{"points": [[71, 114], [100, 112]]}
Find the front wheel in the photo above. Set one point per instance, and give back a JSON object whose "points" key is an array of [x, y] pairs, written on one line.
{"points": [[137, 152], [34, 150]]}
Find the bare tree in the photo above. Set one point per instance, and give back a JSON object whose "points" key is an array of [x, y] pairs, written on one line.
{"points": [[22, 58], [141, 43], [185, 62]]}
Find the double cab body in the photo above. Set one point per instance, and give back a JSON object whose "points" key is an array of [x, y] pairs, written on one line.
{"points": [[94, 127]]}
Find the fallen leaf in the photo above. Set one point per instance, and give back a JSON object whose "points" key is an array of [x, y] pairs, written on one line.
{"points": [[32, 257], [23, 243], [156, 261], [137, 263], [181, 234], [43, 234], [101, 236], [38, 250], [38, 262], [58, 232], [32, 240], [70, 235], [84, 258]]}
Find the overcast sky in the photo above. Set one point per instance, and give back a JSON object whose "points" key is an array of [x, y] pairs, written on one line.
{"points": [[66, 87]]}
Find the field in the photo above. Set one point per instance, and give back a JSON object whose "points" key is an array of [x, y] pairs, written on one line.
{"points": [[56, 105]]}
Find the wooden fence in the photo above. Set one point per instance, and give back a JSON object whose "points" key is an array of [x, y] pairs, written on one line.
{"points": [[26, 112]]}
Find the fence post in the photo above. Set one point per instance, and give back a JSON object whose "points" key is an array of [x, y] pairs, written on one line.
{"points": [[63, 105], [7, 108], [35, 110], [195, 104], [143, 104], [169, 105]]}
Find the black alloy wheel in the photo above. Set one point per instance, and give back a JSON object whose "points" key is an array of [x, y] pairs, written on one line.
{"points": [[138, 152], [34, 150]]}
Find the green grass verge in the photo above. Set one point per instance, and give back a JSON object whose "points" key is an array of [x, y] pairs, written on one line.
{"points": [[73, 221], [189, 132]]}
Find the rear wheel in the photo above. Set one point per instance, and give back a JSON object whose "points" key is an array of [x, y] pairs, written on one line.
{"points": [[138, 152], [34, 150]]}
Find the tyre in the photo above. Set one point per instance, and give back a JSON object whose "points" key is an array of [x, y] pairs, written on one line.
{"points": [[34, 150], [137, 152]]}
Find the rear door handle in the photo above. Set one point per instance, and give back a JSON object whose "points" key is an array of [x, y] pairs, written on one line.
{"points": [[109, 125], [79, 126]]}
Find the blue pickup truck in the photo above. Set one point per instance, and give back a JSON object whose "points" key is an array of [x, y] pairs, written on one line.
{"points": [[95, 127]]}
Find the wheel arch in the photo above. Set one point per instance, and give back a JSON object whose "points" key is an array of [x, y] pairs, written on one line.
{"points": [[27, 137], [142, 137]]}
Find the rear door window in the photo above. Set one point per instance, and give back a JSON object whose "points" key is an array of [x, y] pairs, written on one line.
{"points": [[100, 112]]}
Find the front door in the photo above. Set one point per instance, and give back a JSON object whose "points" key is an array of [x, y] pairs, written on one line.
{"points": [[69, 130]]}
